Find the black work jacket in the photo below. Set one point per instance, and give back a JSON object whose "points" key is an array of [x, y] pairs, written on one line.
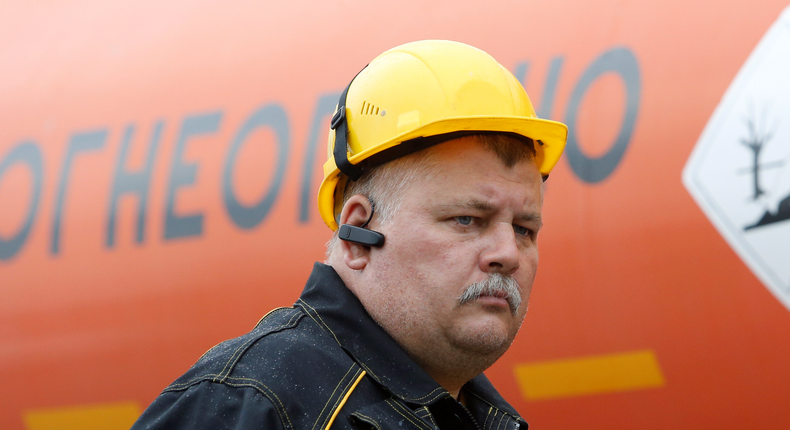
{"points": [[323, 361]]}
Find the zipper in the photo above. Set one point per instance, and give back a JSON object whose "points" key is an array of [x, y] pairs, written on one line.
{"points": [[471, 417]]}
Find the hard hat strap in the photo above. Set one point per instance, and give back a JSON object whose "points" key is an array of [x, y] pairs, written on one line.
{"points": [[340, 125]]}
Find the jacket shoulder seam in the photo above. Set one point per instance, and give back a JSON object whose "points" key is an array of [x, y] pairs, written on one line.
{"points": [[238, 382], [239, 352]]}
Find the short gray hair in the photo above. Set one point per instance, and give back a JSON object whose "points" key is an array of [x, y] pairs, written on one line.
{"points": [[383, 185]]}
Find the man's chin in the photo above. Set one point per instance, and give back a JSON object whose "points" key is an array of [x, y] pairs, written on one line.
{"points": [[486, 338]]}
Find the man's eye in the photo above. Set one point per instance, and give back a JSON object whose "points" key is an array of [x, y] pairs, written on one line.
{"points": [[464, 220], [521, 230]]}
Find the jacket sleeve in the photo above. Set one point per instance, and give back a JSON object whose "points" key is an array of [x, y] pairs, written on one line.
{"points": [[209, 405]]}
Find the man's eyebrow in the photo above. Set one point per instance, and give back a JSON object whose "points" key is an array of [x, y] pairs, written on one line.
{"points": [[485, 206], [480, 205], [531, 217]]}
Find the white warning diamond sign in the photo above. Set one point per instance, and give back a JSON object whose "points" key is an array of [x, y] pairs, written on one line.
{"points": [[739, 171]]}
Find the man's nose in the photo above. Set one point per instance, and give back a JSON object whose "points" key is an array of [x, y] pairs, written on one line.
{"points": [[501, 253]]}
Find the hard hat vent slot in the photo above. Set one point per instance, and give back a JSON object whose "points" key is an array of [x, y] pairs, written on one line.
{"points": [[369, 109]]}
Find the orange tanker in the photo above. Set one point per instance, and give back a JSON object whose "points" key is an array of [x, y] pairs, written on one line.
{"points": [[159, 164]]}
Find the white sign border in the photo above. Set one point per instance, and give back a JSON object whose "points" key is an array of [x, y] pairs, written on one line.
{"points": [[780, 288]]}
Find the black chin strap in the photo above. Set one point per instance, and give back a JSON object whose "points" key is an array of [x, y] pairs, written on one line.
{"points": [[340, 125]]}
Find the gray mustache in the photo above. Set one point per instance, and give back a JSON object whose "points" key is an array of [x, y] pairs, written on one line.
{"points": [[494, 283]]}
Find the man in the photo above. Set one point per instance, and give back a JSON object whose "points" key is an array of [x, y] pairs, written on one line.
{"points": [[434, 188]]}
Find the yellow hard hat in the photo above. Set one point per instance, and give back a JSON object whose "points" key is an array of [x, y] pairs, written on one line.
{"points": [[421, 93]]}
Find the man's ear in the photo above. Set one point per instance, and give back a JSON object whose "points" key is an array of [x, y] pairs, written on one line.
{"points": [[356, 211]]}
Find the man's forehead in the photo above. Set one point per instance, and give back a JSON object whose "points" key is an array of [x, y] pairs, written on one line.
{"points": [[507, 151], [479, 162], [509, 148]]}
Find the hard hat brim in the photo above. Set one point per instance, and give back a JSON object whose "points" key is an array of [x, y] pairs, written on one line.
{"points": [[549, 137]]}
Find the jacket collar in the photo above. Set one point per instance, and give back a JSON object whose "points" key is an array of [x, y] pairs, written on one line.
{"points": [[338, 311]]}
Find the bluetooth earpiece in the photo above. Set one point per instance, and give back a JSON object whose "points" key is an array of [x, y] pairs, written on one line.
{"points": [[361, 235]]}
